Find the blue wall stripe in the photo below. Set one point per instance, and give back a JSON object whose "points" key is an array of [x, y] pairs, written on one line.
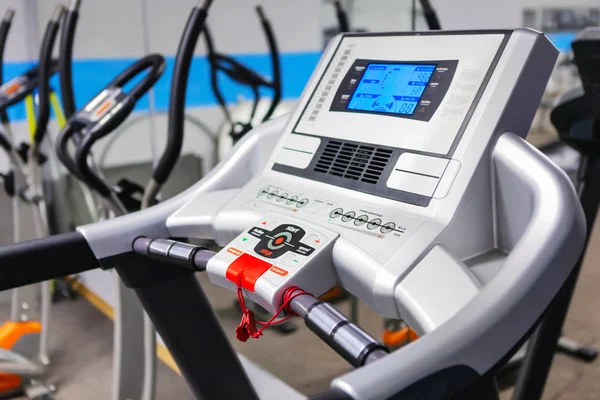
{"points": [[91, 75], [562, 40]]}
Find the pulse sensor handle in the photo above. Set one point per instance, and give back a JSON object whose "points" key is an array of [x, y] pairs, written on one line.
{"points": [[351, 342]]}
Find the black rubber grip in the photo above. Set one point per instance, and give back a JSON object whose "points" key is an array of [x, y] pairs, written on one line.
{"points": [[39, 260], [185, 51], [66, 61]]}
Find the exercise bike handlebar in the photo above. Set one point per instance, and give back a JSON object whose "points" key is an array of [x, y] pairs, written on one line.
{"points": [[45, 72], [4, 28], [193, 28], [66, 58]]}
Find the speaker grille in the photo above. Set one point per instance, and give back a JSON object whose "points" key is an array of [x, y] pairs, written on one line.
{"points": [[353, 161]]}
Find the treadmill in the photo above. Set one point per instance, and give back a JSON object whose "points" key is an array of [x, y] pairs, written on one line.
{"points": [[402, 176]]}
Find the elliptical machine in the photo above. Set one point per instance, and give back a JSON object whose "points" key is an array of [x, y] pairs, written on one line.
{"points": [[240, 119], [134, 351], [24, 339], [133, 375]]}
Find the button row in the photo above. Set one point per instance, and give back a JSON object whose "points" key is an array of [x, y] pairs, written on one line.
{"points": [[363, 219], [283, 196]]}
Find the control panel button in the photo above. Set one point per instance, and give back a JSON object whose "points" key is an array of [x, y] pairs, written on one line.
{"points": [[268, 224], [311, 240], [272, 194], [361, 220], [348, 216], [388, 227], [282, 197], [249, 241], [301, 203], [338, 212], [304, 250], [263, 191], [290, 259], [291, 200], [278, 241], [374, 224], [257, 232]]}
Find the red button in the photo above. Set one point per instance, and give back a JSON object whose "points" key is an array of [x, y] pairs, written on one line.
{"points": [[246, 270], [279, 240]]}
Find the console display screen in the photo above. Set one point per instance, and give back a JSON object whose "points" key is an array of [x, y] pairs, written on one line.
{"points": [[391, 88]]}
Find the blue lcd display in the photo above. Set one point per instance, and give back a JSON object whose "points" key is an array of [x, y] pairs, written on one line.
{"points": [[391, 88]]}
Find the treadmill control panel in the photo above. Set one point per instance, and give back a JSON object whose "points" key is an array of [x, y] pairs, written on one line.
{"points": [[376, 229], [387, 113], [282, 239], [274, 254]]}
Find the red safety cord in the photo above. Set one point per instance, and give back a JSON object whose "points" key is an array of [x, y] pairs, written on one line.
{"points": [[247, 327]]}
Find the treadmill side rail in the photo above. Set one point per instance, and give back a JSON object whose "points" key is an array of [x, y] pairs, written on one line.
{"points": [[506, 307]]}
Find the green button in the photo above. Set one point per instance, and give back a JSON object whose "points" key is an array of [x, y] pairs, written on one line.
{"points": [[244, 239]]}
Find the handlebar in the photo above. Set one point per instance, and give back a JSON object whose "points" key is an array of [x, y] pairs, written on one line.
{"points": [[66, 58], [185, 51], [45, 72], [154, 63], [102, 115]]}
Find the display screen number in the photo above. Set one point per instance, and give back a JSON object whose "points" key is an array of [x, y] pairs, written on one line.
{"points": [[407, 108], [391, 88]]}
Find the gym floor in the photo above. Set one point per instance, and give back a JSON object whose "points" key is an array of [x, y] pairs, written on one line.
{"points": [[81, 343]]}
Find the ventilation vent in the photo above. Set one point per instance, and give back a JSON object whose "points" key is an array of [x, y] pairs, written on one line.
{"points": [[353, 161]]}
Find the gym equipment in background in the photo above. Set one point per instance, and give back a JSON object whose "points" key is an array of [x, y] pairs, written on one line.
{"points": [[134, 337], [134, 365], [24, 339], [240, 119]]}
